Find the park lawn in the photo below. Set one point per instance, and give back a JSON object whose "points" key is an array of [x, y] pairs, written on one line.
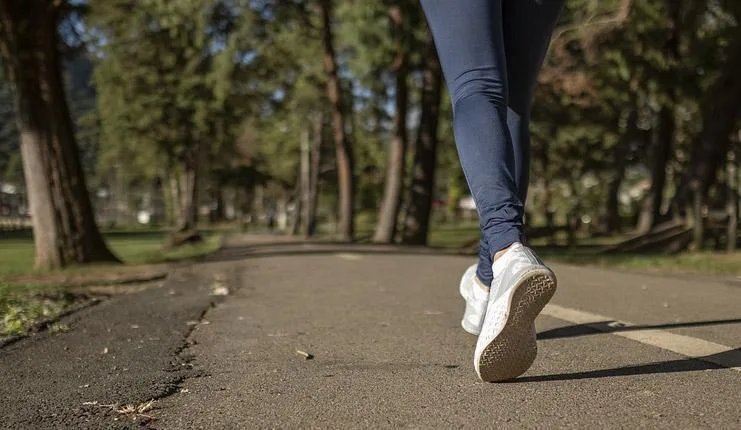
{"points": [[23, 306], [707, 263], [28, 296], [454, 236], [132, 247], [465, 235]]}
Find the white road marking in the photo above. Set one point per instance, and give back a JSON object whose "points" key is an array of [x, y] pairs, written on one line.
{"points": [[688, 346]]}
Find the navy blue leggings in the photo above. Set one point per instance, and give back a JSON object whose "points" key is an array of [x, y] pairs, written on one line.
{"points": [[491, 52]]}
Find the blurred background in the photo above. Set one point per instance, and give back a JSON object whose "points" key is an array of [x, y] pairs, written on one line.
{"points": [[329, 118]]}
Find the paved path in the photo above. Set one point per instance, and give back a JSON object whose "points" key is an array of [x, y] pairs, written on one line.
{"points": [[382, 324]]}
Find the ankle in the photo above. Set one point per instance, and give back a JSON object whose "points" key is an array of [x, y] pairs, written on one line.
{"points": [[501, 252], [480, 283]]}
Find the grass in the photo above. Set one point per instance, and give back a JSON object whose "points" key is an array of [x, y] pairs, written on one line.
{"points": [[454, 235], [22, 306], [133, 247], [28, 296], [708, 263]]}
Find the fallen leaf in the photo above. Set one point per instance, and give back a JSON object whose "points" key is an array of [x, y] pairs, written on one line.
{"points": [[304, 354], [221, 290]]}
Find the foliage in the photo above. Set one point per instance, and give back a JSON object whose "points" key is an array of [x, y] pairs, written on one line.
{"points": [[229, 87]]}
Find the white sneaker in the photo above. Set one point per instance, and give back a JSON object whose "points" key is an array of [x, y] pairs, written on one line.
{"points": [[521, 288], [476, 297]]}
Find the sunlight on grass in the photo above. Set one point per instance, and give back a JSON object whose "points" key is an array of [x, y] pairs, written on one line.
{"points": [[711, 263], [22, 306], [17, 255], [454, 235]]}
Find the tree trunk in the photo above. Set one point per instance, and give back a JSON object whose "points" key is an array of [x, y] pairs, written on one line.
{"points": [[184, 189], [664, 144], [296, 214], [188, 203], [698, 227], [64, 224], [388, 213], [315, 163], [259, 210], [619, 160], [732, 202], [219, 214], [662, 152], [345, 178], [417, 225], [614, 223], [629, 136], [305, 180], [719, 113]]}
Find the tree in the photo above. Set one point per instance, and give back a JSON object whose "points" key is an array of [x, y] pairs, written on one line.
{"points": [[64, 225], [344, 153], [165, 79], [388, 213], [720, 112], [417, 223]]}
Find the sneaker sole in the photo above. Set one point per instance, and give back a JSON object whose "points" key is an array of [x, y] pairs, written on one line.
{"points": [[513, 351]]}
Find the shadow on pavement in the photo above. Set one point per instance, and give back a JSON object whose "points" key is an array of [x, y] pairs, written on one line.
{"points": [[613, 326], [732, 357]]}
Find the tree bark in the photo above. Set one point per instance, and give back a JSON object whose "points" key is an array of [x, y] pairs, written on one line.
{"points": [[345, 178], [388, 213], [731, 202], [184, 188], [620, 153], [220, 210], [315, 163], [664, 144], [188, 183], [417, 224], [719, 113], [662, 151], [305, 180], [64, 224]]}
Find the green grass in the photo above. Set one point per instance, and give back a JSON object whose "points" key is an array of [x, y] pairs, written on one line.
{"points": [[586, 253], [709, 263], [24, 304], [454, 235], [133, 247]]}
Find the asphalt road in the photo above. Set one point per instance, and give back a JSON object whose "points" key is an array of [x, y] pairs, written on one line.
{"points": [[382, 327]]}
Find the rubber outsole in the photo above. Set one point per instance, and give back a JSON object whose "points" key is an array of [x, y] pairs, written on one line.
{"points": [[513, 351]]}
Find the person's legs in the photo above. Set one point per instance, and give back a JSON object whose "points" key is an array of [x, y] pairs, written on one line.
{"points": [[470, 43], [470, 40], [528, 26], [527, 29]]}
